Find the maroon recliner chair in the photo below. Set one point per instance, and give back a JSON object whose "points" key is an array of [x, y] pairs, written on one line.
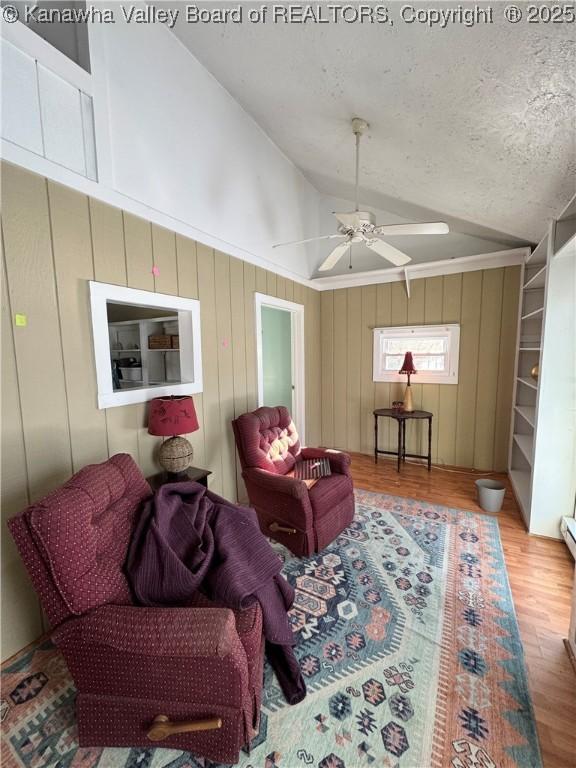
{"points": [[181, 678], [303, 519]]}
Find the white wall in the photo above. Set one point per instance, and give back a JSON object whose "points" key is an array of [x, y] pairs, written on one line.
{"points": [[179, 143], [173, 141], [554, 481]]}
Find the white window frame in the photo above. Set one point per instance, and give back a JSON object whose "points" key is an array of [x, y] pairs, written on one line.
{"points": [[410, 331], [190, 343]]}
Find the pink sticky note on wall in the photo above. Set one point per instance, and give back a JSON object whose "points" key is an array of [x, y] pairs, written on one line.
{"points": [[225, 343], [155, 271]]}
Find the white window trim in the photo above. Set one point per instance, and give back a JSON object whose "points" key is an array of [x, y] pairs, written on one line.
{"points": [[298, 355], [190, 343], [422, 377]]}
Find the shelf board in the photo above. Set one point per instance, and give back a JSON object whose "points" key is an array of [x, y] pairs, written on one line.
{"points": [[520, 480], [540, 254], [537, 280], [165, 383], [534, 313], [164, 350], [528, 349], [118, 351], [528, 412], [166, 319], [526, 445], [528, 383]]}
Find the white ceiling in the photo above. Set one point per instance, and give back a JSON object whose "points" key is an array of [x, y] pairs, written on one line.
{"points": [[473, 125]]}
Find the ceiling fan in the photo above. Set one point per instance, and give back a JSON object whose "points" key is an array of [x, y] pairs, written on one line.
{"points": [[360, 226]]}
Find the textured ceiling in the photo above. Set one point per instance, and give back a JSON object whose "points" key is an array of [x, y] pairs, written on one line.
{"points": [[476, 124]]}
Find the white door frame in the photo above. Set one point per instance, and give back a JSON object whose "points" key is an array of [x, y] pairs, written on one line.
{"points": [[298, 355]]}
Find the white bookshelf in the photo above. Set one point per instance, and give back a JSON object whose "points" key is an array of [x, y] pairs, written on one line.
{"points": [[542, 454], [528, 412], [153, 366], [531, 314]]}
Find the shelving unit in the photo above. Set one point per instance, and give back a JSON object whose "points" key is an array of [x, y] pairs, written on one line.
{"points": [[528, 383], [543, 428], [526, 445], [537, 280], [528, 413], [533, 313], [521, 482], [154, 367], [524, 414]]}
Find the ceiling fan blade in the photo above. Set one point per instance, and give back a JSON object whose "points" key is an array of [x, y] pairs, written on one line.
{"points": [[307, 240], [334, 257], [387, 251], [424, 228]]}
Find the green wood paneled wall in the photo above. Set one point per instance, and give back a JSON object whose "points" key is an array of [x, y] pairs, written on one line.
{"points": [[55, 240], [471, 419]]}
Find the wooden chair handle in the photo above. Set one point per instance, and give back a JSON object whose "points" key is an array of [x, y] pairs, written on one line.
{"points": [[163, 727], [274, 527]]}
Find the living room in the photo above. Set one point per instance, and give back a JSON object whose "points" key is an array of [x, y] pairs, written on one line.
{"points": [[377, 245]]}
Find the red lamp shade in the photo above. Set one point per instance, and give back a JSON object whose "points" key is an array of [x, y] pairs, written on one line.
{"points": [[408, 364], [170, 416]]}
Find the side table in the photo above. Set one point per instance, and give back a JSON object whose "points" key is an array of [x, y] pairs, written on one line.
{"points": [[402, 417], [194, 474]]}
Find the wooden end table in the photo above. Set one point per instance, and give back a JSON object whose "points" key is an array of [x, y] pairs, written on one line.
{"points": [[402, 417], [194, 474]]}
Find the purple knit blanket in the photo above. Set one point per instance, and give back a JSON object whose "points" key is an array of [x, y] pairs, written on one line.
{"points": [[188, 540]]}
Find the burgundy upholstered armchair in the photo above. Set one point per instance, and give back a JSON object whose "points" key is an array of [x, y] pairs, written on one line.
{"points": [[182, 678], [304, 519]]}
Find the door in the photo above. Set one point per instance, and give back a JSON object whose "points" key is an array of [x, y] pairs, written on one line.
{"points": [[277, 381], [280, 351]]}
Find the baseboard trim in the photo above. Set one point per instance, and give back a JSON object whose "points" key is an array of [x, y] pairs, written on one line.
{"points": [[570, 653], [40, 639], [443, 467]]}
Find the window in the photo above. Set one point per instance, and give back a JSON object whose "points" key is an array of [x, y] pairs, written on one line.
{"points": [[145, 345], [434, 348], [59, 22]]}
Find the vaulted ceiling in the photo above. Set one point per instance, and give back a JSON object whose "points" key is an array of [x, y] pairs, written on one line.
{"points": [[475, 125]]}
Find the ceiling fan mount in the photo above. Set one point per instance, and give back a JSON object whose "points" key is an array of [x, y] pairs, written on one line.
{"points": [[359, 126], [360, 226]]}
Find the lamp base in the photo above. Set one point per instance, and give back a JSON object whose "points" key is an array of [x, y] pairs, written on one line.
{"points": [[175, 455], [408, 403]]}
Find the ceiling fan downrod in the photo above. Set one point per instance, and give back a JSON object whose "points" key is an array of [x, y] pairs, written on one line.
{"points": [[358, 127]]}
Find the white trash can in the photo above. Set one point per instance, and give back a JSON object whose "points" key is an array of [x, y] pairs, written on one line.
{"points": [[490, 495]]}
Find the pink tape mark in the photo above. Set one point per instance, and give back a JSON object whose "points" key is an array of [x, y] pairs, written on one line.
{"points": [[155, 270]]}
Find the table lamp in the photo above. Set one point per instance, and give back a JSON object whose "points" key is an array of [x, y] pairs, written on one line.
{"points": [[172, 417], [408, 368]]}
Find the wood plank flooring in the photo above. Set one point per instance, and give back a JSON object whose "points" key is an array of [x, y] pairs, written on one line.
{"points": [[541, 573]]}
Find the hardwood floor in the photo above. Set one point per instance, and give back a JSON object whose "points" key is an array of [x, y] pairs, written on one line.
{"points": [[540, 572]]}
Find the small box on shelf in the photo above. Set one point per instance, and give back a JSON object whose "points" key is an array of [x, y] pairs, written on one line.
{"points": [[159, 341]]}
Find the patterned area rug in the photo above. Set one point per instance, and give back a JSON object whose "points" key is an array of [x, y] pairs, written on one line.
{"points": [[406, 636]]}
